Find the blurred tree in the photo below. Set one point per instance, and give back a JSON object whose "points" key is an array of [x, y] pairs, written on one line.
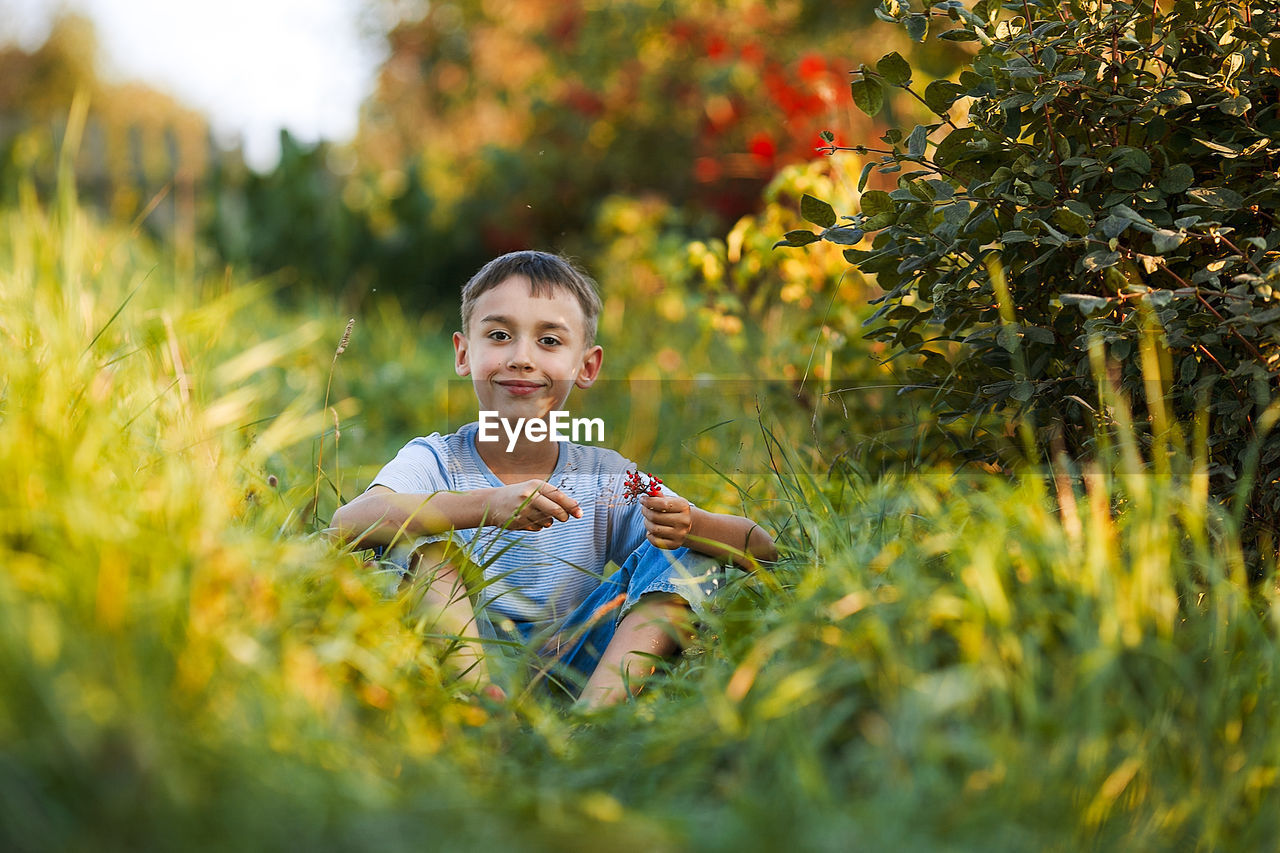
{"points": [[496, 125], [523, 117], [500, 125], [313, 222], [42, 82], [139, 143]]}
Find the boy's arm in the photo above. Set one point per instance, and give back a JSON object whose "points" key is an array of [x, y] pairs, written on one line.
{"points": [[380, 515], [671, 522], [731, 537]]}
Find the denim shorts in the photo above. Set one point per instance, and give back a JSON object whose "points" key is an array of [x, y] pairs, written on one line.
{"points": [[572, 646], [568, 649]]}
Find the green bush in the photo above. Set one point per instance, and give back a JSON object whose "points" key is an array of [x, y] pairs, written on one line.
{"points": [[1116, 183]]}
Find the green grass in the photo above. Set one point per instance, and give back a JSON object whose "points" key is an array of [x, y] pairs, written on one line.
{"points": [[942, 661]]}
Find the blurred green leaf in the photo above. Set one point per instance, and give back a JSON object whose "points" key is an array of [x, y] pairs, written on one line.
{"points": [[1165, 240], [876, 202], [894, 69], [817, 211], [917, 27], [918, 141], [1177, 178], [842, 236], [1099, 260], [1219, 197], [868, 95], [797, 238], [941, 94]]}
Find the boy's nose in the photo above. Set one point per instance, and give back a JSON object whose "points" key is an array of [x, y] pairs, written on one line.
{"points": [[520, 358]]}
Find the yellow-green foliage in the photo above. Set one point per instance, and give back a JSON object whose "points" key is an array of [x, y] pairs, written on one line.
{"points": [[941, 661], [170, 644]]}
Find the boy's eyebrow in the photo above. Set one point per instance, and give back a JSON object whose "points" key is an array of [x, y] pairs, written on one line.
{"points": [[504, 320]]}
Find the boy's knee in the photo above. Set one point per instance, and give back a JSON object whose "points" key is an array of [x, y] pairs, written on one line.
{"points": [[436, 562], [665, 610], [433, 576]]}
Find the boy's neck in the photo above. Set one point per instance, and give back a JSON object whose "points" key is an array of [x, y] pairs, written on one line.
{"points": [[528, 460]]}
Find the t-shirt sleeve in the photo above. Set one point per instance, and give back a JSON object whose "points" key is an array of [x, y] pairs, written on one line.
{"points": [[421, 467]]}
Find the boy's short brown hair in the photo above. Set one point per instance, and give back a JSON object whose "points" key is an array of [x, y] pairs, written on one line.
{"points": [[545, 273]]}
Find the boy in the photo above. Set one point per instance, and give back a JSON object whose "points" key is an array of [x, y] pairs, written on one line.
{"points": [[543, 517]]}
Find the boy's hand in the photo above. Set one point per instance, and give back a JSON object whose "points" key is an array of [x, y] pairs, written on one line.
{"points": [[667, 520], [531, 505]]}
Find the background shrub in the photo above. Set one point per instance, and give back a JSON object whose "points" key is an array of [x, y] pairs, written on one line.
{"points": [[1115, 183]]}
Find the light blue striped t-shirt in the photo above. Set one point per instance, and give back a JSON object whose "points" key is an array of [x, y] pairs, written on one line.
{"points": [[531, 576]]}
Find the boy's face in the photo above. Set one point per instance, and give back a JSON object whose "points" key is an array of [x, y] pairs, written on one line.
{"points": [[524, 353]]}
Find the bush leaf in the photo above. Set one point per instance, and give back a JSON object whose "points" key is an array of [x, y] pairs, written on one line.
{"points": [[895, 70], [876, 202], [1165, 240], [917, 27], [1099, 260], [843, 236], [1087, 303], [918, 141], [797, 238], [1177, 178], [868, 94], [817, 211], [941, 94], [1219, 197]]}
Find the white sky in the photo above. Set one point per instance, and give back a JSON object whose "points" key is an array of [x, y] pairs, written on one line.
{"points": [[253, 66]]}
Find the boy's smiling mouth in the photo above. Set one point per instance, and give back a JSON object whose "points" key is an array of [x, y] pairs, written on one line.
{"points": [[519, 387]]}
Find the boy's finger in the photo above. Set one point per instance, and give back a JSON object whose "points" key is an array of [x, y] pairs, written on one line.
{"points": [[666, 528], [659, 519], [664, 542], [662, 504], [550, 507], [659, 514], [561, 499], [656, 521]]}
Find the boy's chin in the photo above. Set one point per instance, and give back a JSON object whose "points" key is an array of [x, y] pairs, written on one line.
{"points": [[536, 411]]}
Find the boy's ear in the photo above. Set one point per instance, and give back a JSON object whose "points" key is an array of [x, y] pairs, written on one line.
{"points": [[590, 367], [461, 365]]}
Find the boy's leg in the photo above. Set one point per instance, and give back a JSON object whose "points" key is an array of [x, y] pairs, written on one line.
{"points": [[657, 591], [658, 626], [440, 603]]}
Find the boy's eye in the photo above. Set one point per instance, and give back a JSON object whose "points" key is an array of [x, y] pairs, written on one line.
{"points": [[498, 335], [548, 341]]}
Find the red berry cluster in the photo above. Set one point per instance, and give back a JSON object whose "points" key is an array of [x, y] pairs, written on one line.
{"points": [[638, 484]]}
